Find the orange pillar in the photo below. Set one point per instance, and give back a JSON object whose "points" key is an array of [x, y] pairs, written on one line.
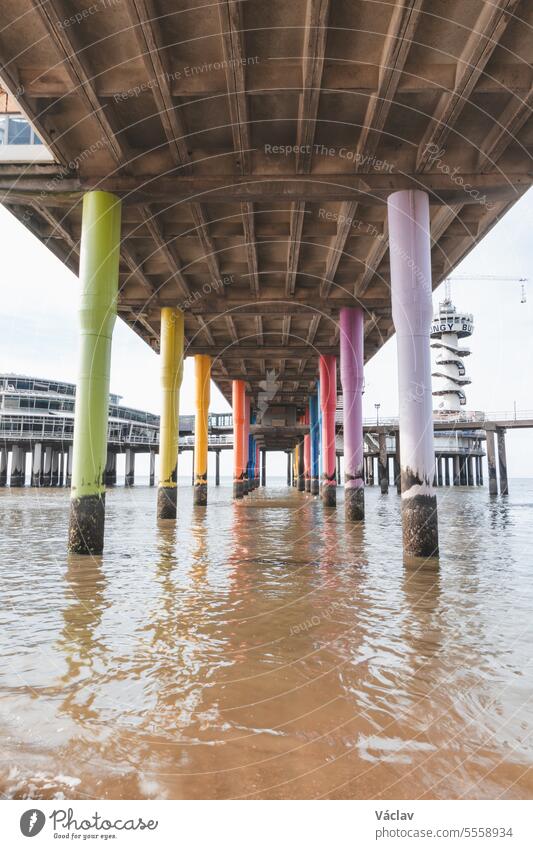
{"points": [[239, 410]]}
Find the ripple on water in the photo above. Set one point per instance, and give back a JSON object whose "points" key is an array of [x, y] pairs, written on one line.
{"points": [[265, 648]]}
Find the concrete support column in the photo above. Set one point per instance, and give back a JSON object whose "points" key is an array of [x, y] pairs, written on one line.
{"points": [[397, 465], [171, 359], [263, 467], [130, 467], [70, 458], [110, 469], [383, 472], [202, 375], [37, 464], [217, 468], [456, 470], [301, 465], [246, 443], [18, 460], [352, 377], [151, 474], [3, 466], [410, 258], [239, 409], [491, 463], [469, 471], [440, 479], [502, 462], [328, 403], [446, 471], [370, 461], [61, 468], [289, 468], [55, 468], [99, 261], [46, 478], [462, 471]]}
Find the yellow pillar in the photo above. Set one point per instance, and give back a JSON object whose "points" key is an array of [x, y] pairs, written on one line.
{"points": [[202, 374], [171, 375]]}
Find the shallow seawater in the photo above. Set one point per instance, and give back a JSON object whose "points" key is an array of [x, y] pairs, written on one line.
{"points": [[265, 649]]}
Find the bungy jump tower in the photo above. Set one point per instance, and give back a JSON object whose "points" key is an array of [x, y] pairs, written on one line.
{"points": [[462, 448], [448, 328]]}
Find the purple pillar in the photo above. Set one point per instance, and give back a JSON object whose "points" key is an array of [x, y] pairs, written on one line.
{"points": [[410, 260], [352, 365]]}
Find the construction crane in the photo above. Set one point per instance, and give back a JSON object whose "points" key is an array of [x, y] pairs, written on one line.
{"points": [[521, 280]]}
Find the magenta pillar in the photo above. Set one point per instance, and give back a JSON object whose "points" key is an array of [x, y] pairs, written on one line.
{"points": [[410, 260], [352, 365], [328, 403]]}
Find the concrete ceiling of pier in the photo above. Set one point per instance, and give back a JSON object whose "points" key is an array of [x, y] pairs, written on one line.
{"points": [[187, 111]]}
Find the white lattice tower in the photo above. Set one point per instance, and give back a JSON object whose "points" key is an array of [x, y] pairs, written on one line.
{"points": [[448, 327]]}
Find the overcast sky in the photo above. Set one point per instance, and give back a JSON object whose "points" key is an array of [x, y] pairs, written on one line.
{"points": [[38, 332]]}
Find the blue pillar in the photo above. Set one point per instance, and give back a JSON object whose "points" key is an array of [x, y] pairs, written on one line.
{"points": [[315, 443], [319, 436], [250, 469]]}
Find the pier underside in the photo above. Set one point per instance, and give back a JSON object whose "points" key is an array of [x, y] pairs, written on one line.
{"points": [[254, 146]]}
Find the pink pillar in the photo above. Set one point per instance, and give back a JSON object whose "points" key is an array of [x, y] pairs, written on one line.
{"points": [[328, 403], [352, 366], [307, 455], [246, 446], [410, 259]]}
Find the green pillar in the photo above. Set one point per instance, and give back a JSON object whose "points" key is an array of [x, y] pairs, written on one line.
{"points": [[99, 261]]}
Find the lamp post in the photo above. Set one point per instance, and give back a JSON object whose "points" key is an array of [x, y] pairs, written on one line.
{"points": [[377, 406]]}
